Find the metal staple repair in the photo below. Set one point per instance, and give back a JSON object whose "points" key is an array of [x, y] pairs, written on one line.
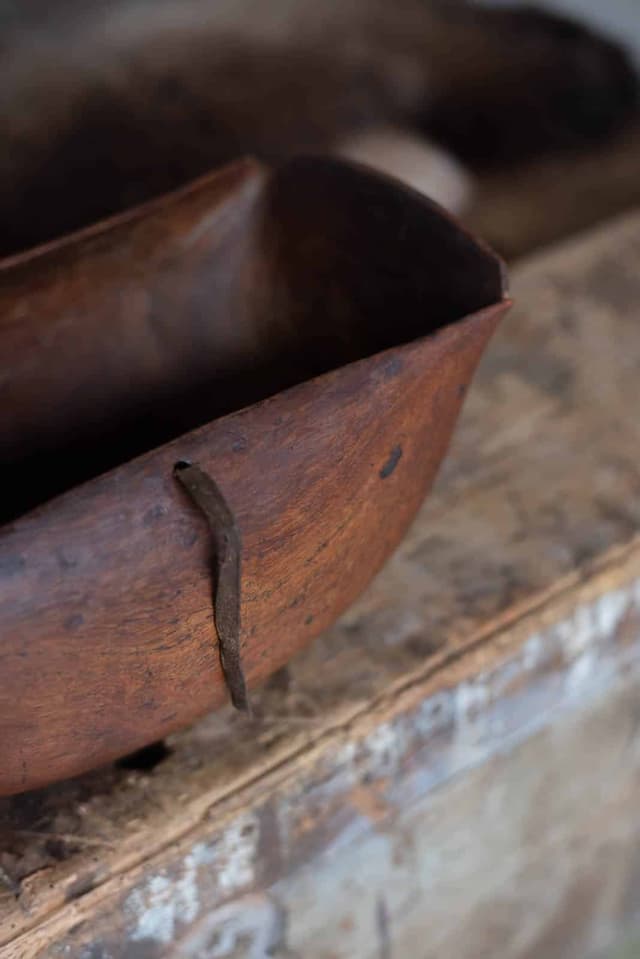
{"points": [[227, 552]]}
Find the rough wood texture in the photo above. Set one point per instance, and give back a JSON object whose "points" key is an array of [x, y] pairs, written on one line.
{"points": [[464, 743], [359, 291]]}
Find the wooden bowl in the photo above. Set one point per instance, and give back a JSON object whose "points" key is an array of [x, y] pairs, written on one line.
{"points": [[305, 336]]}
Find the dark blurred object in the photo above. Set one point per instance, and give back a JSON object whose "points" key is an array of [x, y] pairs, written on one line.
{"points": [[103, 106], [557, 86], [538, 202]]}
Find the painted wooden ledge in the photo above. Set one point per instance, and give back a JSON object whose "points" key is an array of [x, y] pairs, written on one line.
{"points": [[453, 769]]}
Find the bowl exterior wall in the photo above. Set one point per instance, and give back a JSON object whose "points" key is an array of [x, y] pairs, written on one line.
{"points": [[107, 639]]}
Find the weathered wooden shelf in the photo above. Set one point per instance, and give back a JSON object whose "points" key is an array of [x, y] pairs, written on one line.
{"points": [[452, 770]]}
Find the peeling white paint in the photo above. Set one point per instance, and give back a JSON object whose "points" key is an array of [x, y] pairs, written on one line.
{"points": [[236, 854], [153, 907], [345, 754], [533, 654], [435, 713], [253, 923], [578, 632], [449, 733], [187, 885], [471, 698], [580, 673], [157, 907], [383, 746]]}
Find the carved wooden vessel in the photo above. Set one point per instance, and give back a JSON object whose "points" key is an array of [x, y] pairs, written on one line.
{"points": [[306, 337]]}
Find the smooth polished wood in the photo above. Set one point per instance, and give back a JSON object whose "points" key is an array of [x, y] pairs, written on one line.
{"points": [[306, 337]]}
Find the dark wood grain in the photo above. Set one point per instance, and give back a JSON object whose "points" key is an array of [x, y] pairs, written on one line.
{"points": [[307, 338]]}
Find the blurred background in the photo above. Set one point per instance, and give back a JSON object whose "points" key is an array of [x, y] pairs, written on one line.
{"points": [[543, 201], [521, 118]]}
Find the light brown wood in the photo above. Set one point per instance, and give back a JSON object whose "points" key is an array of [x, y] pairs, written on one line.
{"points": [[532, 531]]}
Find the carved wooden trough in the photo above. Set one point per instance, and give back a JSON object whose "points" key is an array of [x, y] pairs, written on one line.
{"points": [[306, 338]]}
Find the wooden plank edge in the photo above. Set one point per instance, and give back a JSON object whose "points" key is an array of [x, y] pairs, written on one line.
{"points": [[557, 633]]}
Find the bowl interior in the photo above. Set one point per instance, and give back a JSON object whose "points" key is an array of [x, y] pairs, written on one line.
{"points": [[209, 303]]}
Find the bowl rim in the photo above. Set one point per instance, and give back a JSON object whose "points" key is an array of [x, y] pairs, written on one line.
{"points": [[243, 171], [448, 330]]}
